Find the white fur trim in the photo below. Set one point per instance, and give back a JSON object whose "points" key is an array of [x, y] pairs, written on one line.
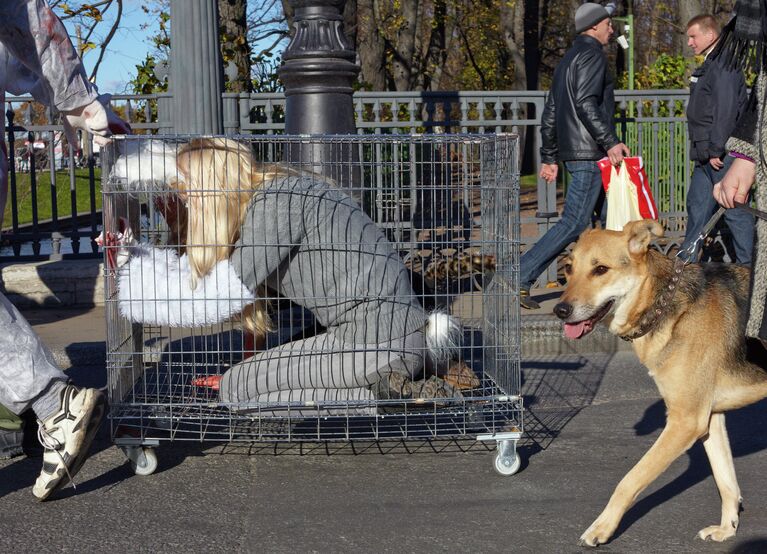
{"points": [[144, 162], [443, 336], [155, 288]]}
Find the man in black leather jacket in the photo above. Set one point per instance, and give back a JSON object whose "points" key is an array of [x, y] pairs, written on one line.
{"points": [[577, 128], [717, 97]]}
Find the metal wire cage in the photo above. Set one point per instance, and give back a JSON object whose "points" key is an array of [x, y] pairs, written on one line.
{"points": [[359, 238]]}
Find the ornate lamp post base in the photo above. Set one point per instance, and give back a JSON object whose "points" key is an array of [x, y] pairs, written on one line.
{"points": [[318, 72]]}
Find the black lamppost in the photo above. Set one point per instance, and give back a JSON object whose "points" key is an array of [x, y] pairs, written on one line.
{"points": [[318, 72]]}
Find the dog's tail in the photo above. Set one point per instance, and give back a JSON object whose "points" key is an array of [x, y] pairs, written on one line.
{"points": [[443, 336], [145, 163]]}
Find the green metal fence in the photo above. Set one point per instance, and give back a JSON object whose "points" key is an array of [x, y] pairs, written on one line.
{"points": [[651, 122]]}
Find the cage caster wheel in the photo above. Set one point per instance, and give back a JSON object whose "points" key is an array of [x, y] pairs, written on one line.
{"points": [[507, 461], [143, 460]]}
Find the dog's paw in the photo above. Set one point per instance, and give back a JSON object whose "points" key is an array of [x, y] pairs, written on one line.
{"points": [[718, 533], [598, 533]]}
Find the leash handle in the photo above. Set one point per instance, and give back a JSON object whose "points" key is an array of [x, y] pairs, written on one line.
{"points": [[688, 252], [753, 211]]}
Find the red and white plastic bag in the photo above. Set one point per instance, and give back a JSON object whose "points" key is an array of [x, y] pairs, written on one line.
{"points": [[629, 196]]}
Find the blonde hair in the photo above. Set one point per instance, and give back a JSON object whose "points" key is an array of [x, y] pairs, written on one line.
{"points": [[217, 179]]}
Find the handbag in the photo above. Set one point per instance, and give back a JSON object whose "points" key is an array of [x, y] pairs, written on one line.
{"points": [[629, 196]]}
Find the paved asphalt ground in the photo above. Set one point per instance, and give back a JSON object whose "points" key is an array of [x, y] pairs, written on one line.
{"points": [[591, 414]]}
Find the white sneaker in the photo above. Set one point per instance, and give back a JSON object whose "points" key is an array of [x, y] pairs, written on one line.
{"points": [[67, 436]]}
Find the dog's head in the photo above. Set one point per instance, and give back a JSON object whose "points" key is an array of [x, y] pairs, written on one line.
{"points": [[603, 273]]}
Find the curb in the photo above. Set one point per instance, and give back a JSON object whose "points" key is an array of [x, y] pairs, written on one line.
{"points": [[79, 354], [71, 283], [542, 336], [80, 284]]}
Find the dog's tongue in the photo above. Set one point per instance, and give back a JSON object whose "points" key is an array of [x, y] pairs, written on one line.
{"points": [[577, 330]]}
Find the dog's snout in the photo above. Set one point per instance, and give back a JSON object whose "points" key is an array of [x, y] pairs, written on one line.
{"points": [[563, 310]]}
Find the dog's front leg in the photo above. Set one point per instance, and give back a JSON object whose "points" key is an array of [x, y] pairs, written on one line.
{"points": [[717, 447], [679, 434]]}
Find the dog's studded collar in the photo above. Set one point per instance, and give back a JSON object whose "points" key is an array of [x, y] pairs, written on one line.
{"points": [[652, 317]]}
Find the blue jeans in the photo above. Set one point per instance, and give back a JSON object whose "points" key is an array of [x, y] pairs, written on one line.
{"points": [[582, 196], [701, 206]]}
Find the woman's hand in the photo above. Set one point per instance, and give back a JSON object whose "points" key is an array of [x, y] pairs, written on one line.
{"points": [[116, 245], [736, 184], [210, 381]]}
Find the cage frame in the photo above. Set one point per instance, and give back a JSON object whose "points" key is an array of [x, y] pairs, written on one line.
{"points": [[501, 411]]}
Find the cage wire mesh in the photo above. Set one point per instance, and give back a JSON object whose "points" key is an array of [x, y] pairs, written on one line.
{"points": [[223, 230]]}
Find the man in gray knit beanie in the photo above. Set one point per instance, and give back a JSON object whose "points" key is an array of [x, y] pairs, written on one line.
{"points": [[588, 15], [577, 129]]}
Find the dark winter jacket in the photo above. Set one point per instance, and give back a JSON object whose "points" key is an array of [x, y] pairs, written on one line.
{"points": [[577, 121], [717, 98]]}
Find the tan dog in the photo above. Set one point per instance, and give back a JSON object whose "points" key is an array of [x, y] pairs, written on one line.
{"points": [[692, 341]]}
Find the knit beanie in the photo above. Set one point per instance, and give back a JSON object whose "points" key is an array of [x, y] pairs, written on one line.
{"points": [[589, 14]]}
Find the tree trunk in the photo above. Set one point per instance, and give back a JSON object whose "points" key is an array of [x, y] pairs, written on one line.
{"points": [[233, 28], [532, 29], [436, 53], [404, 49], [511, 14], [350, 21], [370, 47]]}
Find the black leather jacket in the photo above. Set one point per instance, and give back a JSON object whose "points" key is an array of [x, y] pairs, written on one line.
{"points": [[577, 121], [717, 98]]}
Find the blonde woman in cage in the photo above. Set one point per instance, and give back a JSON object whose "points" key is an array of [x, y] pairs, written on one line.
{"points": [[251, 226]]}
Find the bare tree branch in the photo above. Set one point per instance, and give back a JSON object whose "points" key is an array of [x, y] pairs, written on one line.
{"points": [[96, 22], [108, 39], [470, 55]]}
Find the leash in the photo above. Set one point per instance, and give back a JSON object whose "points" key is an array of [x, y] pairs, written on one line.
{"points": [[711, 223], [688, 252], [753, 211], [651, 318]]}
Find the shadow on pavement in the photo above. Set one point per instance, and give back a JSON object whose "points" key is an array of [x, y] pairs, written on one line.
{"points": [[555, 389], [743, 441], [755, 546]]}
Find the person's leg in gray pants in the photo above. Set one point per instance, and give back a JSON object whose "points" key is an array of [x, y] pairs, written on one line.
{"points": [[322, 362], [29, 377]]}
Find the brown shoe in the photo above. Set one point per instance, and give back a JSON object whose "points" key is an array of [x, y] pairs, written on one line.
{"points": [[394, 386], [460, 375], [434, 387], [397, 386]]}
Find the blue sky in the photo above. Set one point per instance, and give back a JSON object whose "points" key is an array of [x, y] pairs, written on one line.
{"points": [[129, 47]]}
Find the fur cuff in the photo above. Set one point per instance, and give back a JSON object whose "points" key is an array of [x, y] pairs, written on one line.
{"points": [[144, 163], [155, 288]]}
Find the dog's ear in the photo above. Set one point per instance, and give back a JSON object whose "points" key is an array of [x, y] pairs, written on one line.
{"points": [[640, 233]]}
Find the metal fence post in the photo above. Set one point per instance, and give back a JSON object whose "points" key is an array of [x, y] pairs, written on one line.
{"points": [[12, 181]]}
